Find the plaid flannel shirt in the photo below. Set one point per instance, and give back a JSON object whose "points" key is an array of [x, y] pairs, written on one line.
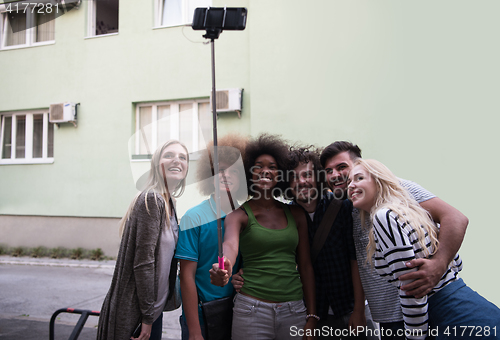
{"points": [[332, 269]]}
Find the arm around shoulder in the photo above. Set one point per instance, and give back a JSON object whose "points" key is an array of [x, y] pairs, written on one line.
{"points": [[453, 225]]}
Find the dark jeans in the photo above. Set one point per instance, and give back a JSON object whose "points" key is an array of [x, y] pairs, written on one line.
{"points": [[457, 306], [156, 330], [337, 328]]}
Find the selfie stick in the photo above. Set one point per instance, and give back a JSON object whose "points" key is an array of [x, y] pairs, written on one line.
{"points": [[216, 161], [213, 34], [214, 20]]}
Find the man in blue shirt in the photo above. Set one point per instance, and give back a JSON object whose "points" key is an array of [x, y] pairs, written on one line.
{"points": [[197, 248]]}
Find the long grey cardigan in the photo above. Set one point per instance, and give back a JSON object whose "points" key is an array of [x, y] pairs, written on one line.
{"points": [[134, 286]]}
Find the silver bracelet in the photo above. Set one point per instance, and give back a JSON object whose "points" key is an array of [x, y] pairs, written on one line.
{"points": [[312, 316]]}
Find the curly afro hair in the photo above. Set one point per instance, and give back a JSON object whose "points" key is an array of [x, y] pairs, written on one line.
{"points": [[230, 147], [305, 154], [267, 144]]}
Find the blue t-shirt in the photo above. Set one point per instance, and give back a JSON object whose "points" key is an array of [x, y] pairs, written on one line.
{"points": [[198, 243]]}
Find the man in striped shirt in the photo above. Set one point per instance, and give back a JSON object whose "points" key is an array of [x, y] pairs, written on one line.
{"points": [[383, 298]]}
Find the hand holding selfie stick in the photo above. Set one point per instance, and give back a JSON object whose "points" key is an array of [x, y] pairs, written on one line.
{"points": [[214, 20]]}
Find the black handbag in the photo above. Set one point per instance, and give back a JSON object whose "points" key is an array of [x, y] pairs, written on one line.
{"points": [[218, 315], [174, 294], [174, 291]]}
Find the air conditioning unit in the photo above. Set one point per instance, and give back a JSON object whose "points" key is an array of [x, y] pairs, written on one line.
{"points": [[62, 113], [66, 5], [228, 100]]}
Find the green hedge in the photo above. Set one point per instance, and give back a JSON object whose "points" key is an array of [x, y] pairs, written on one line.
{"points": [[55, 253]]}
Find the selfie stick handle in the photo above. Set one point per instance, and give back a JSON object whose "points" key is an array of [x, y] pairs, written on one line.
{"points": [[216, 161]]}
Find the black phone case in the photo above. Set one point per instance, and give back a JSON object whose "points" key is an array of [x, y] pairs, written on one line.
{"points": [[137, 331]]}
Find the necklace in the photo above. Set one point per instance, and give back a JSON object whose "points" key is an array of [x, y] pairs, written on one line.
{"points": [[223, 214], [211, 206]]}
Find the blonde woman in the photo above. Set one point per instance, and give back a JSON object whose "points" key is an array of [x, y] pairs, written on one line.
{"points": [[402, 231], [145, 272]]}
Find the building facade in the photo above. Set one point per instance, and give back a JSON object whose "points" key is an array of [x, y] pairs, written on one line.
{"points": [[415, 85]]}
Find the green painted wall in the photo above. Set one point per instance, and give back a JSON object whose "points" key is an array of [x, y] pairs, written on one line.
{"points": [[414, 84]]}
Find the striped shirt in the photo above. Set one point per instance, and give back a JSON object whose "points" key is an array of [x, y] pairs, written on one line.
{"points": [[397, 243], [383, 298]]}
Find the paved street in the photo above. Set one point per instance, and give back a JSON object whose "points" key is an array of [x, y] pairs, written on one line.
{"points": [[31, 290]]}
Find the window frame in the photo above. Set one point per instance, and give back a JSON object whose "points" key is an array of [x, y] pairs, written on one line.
{"points": [[30, 31], [92, 17], [174, 124], [187, 18], [28, 151]]}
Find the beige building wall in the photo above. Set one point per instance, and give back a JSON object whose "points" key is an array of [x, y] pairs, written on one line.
{"points": [[67, 232]]}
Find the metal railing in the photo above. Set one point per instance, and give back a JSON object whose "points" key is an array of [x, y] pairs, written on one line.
{"points": [[79, 325]]}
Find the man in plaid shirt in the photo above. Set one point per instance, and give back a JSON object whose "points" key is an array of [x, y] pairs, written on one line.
{"points": [[340, 302]]}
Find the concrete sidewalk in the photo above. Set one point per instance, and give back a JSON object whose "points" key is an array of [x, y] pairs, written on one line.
{"points": [[32, 289]]}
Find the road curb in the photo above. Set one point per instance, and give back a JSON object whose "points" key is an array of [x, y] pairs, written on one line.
{"points": [[56, 262]]}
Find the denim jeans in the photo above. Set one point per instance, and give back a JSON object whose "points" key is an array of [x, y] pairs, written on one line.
{"points": [[337, 328], [457, 306], [157, 328], [258, 320]]}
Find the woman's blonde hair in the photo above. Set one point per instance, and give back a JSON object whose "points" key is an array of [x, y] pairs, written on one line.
{"points": [[392, 195], [156, 183]]}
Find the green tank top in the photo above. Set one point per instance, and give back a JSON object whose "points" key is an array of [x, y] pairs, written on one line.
{"points": [[269, 266]]}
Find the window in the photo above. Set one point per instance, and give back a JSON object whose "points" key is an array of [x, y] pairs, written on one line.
{"points": [[103, 17], [26, 138], [23, 24], [177, 12], [187, 121]]}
